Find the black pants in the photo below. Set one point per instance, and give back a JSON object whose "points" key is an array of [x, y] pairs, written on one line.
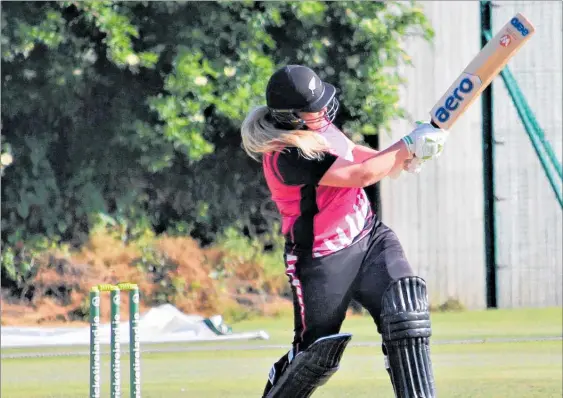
{"points": [[324, 287]]}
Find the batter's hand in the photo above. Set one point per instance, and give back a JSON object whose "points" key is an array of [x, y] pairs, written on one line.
{"points": [[426, 142], [413, 165]]}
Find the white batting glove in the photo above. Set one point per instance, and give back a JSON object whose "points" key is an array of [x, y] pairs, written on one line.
{"points": [[426, 141]]}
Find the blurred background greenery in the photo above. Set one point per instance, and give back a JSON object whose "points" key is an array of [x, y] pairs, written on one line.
{"points": [[122, 118]]}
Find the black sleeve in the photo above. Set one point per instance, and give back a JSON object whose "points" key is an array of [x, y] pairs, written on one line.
{"points": [[294, 169]]}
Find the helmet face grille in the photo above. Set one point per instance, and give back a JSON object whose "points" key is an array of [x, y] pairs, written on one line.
{"points": [[289, 118]]}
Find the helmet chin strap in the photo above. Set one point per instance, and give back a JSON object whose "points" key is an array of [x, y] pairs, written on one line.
{"points": [[328, 124], [323, 128]]}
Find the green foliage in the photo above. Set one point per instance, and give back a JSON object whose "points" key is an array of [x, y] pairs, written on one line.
{"points": [[240, 249], [20, 261], [132, 109], [161, 270], [114, 21]]}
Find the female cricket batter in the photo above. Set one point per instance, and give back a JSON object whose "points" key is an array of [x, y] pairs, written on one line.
{"points": [[336, 247]]}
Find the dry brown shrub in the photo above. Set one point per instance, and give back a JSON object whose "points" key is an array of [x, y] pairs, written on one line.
{"points": [[277, 307], [197, 291], [182, 277], [249, 271], [189, 257]]}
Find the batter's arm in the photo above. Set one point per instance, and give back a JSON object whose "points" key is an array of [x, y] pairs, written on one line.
{"points": [[362, 153]]}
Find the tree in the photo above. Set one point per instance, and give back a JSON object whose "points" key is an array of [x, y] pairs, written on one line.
{"points": [[128, 112]]}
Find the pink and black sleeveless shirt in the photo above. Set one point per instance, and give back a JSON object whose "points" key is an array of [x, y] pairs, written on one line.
{"points": [[317, 219]]}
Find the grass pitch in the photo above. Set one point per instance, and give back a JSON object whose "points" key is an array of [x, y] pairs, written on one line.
{"points": [[486, 354]]}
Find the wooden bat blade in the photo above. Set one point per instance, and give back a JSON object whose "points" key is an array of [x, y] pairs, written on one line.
{"points": [[477, 76]]}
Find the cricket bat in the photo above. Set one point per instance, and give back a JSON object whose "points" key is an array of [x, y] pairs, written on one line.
{"points": [[477, 76]]}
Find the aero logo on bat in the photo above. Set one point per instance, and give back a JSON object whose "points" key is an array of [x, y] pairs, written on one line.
{"points": [[464, 86], [519, 26]]}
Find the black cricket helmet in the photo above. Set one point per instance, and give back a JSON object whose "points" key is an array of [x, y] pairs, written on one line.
{"points": [[296, 88]]}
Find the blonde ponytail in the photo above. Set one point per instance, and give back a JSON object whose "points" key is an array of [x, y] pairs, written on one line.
{"points": [[260, 136]]}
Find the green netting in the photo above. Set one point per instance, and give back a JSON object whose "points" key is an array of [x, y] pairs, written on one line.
{"points": [[542, 147]]}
